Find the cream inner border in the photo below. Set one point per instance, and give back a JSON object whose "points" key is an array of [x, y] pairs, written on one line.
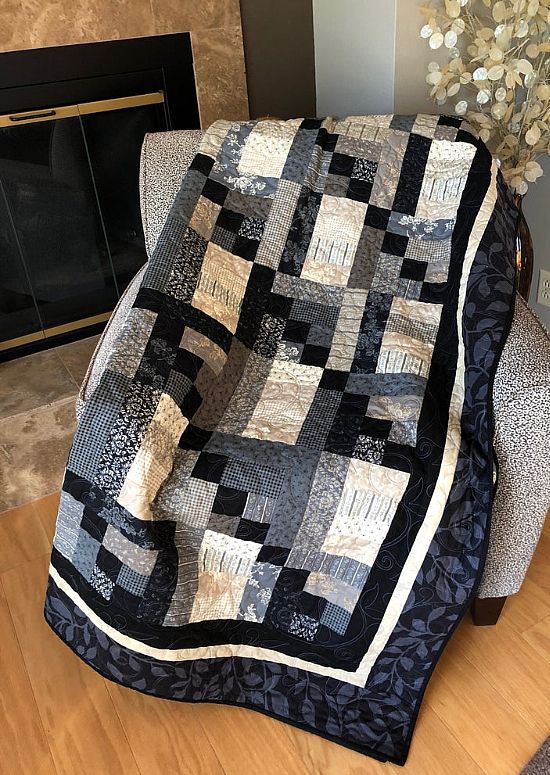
{"points": [[416, 555]]}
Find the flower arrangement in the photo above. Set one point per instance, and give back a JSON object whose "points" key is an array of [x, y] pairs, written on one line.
{"points": [[498, 76]]}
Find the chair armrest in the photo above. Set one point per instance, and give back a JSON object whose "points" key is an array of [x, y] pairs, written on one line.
{"points": [[521, 400], [165, 158]]}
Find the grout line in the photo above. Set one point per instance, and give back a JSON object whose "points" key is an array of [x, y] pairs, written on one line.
{"points": [[41, 408], [66, 369]]}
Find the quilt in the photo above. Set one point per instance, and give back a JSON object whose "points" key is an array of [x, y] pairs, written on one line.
{"points": [[278, 496]]}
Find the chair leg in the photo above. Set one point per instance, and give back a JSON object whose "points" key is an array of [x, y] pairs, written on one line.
{"points": [[486, 610]]}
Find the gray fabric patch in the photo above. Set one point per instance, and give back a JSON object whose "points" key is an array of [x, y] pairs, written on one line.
{"points": [[99, 414], [258, 591], [130, 345], [85, 554], [67, 529], [386, 384], [324, 497], [140, 560], [307, 290]]}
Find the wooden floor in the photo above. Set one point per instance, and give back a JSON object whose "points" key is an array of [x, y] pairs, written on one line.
{"points": [[486, 710]]}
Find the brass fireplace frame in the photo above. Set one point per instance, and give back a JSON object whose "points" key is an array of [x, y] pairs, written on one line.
{"points": [[80, 109], [56, 114]]}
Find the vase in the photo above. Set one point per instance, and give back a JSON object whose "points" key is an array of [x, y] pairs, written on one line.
{"points": [[524, 251]]}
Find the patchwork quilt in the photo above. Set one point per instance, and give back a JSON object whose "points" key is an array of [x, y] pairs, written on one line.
{"points": [[278, 496]]}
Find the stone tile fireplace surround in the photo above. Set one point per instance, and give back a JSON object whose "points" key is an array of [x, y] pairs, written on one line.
{"points": [[215, 27]]}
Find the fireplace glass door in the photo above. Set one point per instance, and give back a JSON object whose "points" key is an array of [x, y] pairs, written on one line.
{"points": [[70, 228]]}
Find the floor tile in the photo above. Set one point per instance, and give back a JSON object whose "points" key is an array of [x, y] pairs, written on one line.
{"points": [[33, 452], [33, 381], [77, 355]]}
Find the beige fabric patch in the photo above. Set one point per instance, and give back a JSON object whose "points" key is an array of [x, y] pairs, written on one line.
{"points": [[344, 341], [444, 179], [220, 553], [284, 403], [389, 169], [204, 217], [367, 506], [212, 140], [266, 148], [218, 596], [402, 343], [403, 353], [211, 353], [417, 310], [225, 565], [153, 462], [392, 362], [222, 285], [425, 125], [334, 590], [334, 240], [374, 128]]}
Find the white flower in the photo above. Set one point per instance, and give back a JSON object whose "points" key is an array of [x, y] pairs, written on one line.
{"points": [[519, 185], [495, 72], [524, 66], [532, 136], [453, 8], [451, 38], [506, 56], [434, 77], [533, 170], [480, 74], [499, 11], [498, 110], [522, 28]]}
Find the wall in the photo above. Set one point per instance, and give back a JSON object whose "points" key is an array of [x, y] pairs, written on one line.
{"points": [[354, 56], [280, 65], [215, 27], [537, 213]]}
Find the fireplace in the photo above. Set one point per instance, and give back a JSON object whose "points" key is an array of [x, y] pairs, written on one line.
{"points": [[72, 120]]}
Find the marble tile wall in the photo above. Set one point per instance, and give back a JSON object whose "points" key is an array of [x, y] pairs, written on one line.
{"points": [[215, 27]]}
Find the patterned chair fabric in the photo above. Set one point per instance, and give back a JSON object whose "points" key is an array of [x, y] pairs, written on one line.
{"points": [[521, 392]]}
